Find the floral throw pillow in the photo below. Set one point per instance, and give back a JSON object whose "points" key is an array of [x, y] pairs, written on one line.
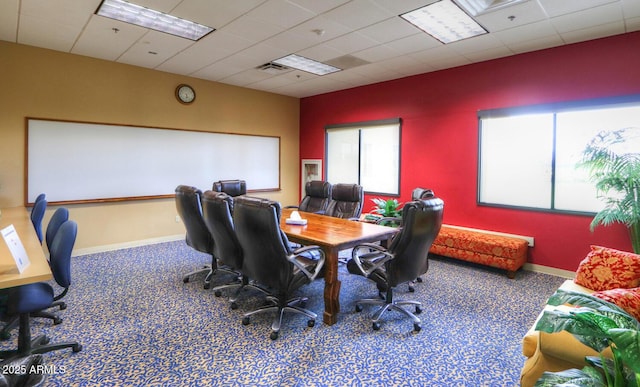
{"points": [[604, 269], [627, 299]]}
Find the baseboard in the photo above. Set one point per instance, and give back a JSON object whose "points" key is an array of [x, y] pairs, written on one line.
{"points": [[127, 245], [549, 270]]}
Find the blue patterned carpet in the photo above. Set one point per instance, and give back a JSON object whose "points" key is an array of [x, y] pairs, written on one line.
{"points": [[140, 325]]}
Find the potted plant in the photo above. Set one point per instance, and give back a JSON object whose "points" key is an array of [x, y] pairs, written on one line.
{"points": [[387, 212], [598, 324], [617, 179]]}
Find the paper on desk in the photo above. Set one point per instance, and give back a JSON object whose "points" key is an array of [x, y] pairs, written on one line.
{"points": [[19, 254]]}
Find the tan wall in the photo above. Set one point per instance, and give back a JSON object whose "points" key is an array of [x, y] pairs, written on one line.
{"points": [[48, 84]]}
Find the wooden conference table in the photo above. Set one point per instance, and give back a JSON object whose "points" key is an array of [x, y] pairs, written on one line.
{"points": [[332, 235], [38, 270]]}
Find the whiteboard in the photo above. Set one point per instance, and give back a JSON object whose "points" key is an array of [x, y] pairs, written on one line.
{"points": [[85, 162]]}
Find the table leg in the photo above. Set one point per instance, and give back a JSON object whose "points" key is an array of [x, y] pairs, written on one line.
{"points": [[331, 287]]}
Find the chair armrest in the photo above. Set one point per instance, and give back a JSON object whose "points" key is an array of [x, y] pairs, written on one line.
{"points": [[291, 207], [375, 257], [298, 253]]}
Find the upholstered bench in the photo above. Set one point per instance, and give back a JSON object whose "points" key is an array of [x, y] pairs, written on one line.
{"points": [[500, 251]]}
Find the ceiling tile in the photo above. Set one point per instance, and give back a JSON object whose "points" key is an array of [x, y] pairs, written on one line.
{"points": [[555, 8], [9, 20], [511, 16], [214, 13], [357, 14], [595, 32], [153, 49], [112, 43], [388, 30], [281, 13], [588, 18]]}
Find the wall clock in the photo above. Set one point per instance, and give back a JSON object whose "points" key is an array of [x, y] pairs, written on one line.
{"points": [[185, 94]]}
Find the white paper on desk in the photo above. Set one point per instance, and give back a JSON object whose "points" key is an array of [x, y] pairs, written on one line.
{"points": [[12, 239]]}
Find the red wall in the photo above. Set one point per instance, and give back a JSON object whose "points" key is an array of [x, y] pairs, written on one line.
{"points": [[440, 133]]}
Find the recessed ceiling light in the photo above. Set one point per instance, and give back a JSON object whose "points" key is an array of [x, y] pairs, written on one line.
{"points": [[445, 21], [306, 64], [149, 18]]}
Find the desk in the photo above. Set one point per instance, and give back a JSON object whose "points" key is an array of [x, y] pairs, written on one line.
{"points": [[39, 269], [332, 235]]}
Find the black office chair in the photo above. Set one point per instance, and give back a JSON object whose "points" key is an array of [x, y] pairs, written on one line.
{"points": [[37, 214], [346, 201], [60, 216], [198, 236], [231, 187], [405, 259], [269, 260], [317, 197], [13, 375], [217, 213], [26, 299]]}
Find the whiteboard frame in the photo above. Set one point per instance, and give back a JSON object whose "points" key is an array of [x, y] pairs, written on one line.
{"points": [[87, 162]]}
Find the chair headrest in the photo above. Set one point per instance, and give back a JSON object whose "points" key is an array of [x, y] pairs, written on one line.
{"points": [[231, 187], [318, 189], [188, 190], [347, 192], [421, 193]]}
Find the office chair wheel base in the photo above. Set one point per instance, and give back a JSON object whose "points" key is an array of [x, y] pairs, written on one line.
{"points": [[76, 348], [418, 310], [358, 308], [245, 321], [417, 327], [274, 335], [311, 323], [234, 305], [217, 293], [57, 320], [375, 326]]}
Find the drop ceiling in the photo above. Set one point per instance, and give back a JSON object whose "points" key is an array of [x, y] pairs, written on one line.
{"points": [[366, 38]]}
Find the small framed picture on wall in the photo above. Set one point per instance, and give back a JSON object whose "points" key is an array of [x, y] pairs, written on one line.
{"points": [[311, 170]]}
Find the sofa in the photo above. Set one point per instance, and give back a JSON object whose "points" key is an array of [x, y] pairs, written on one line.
{"points": [[604, 273], [501, 251]]}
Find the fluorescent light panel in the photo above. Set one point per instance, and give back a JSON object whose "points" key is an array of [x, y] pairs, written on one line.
{"points": [[444, 21], [306, 64], [149, 18]]}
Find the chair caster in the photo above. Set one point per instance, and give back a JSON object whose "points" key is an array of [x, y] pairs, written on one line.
{"points": [[63, 306], [245, 321], [76, 348], [358, 308], [411, 289], [274, 335], [45, 340], [418, 310], [185, 280], [217, 293], [207, 285], [234, 305], [311, 323], [417, 327], [419, 279], [4, 335], [376, 326], [57, 320]]}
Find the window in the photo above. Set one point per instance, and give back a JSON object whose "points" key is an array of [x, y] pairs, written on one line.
{"points": [[528, 156], [365, 153]]}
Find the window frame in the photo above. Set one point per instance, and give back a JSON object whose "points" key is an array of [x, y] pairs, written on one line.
{"points": [[554, 109], [360, 126]]}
